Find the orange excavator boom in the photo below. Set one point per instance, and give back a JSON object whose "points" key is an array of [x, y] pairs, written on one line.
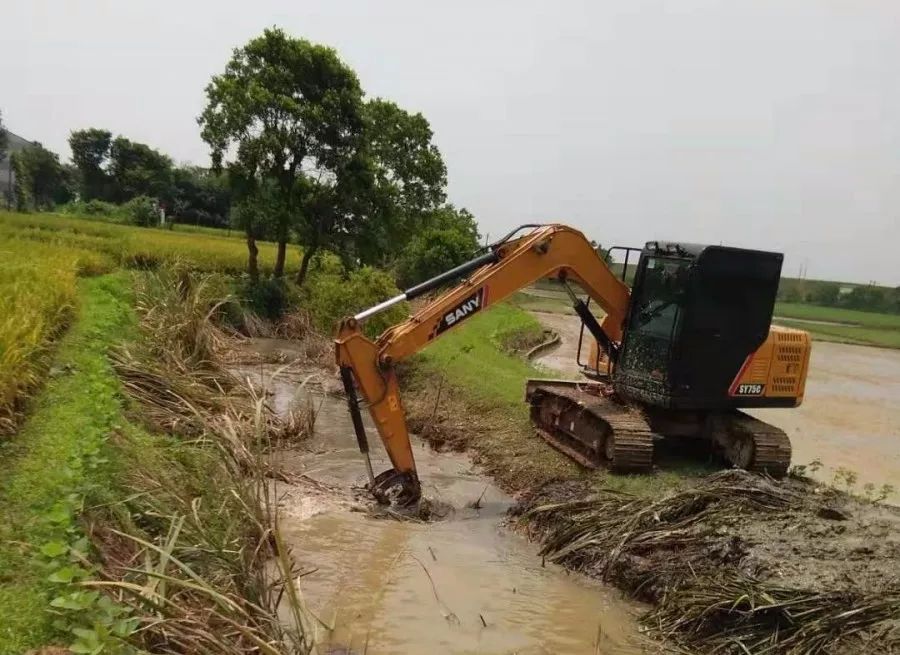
{"points": [[546, 251]]}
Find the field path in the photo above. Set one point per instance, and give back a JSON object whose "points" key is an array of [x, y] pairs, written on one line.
{"points": [[850, 417]]}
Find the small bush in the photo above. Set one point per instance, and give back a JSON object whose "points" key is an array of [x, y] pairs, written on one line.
{"points": [[142, 211], [269, 298], [432, 253], [94, 209], [330, 297]]}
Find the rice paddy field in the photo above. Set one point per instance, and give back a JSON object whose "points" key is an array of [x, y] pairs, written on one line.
{"points": [[41, 258]]}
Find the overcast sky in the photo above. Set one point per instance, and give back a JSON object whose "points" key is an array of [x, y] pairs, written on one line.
{"points": [[772, 124]]}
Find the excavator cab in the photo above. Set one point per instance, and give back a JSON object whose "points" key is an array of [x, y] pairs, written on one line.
{"points": [[696, 314]]}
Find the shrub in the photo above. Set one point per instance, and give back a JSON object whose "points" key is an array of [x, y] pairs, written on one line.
{"points": [[431, 253], [269, 298], [330, 297], [96, 209], [142, 211]]}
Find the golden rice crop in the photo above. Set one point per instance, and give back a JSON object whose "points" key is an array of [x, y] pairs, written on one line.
{"points": [[41, 256], [136, 246], [37, 299]]}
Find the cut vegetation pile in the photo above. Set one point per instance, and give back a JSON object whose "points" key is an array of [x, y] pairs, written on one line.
{"points": [[737, 563], [200, 566], [136, 502]]}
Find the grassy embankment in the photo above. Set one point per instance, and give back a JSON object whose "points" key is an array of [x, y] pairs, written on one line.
{"points": [[62, 451], [83, 466], [850, 325], [481, 406], [157, 496], [42, 257]]}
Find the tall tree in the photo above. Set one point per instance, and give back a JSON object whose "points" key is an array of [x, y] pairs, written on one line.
{"points": [[445, 238], [90, 154], [136, 169], [409, 180], [288, 111], [385, 193], [40, 178]]}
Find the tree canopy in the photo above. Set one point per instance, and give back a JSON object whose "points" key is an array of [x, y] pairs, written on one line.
{"points": [[289, 111], [90, 154], [288, 121], [120, 170], [41, 180], [447, 238]]}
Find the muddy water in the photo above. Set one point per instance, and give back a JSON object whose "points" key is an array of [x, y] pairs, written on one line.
{"points": [[850, 416], [463, 584]]}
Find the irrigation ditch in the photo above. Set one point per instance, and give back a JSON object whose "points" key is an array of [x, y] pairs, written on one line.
{"points": [[246, 526]]}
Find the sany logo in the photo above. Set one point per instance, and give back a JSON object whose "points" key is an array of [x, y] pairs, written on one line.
{"points": [[463, 310]]}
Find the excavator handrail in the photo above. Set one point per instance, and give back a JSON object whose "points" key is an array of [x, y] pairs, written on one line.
{"points": [[547, 251]]}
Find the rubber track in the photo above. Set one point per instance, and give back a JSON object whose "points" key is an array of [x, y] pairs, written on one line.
{"points": [[633, 438], [771, 445]]}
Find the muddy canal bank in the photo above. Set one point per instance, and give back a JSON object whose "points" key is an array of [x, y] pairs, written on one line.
{"points": [[462, 584]]}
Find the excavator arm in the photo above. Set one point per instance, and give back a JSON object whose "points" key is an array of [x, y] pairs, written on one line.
{"points": [[547, 251]]}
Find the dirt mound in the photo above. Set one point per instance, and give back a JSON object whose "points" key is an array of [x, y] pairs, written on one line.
{"points": [[739, 563]]}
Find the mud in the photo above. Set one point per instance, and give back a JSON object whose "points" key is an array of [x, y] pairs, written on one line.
{"points": [[690, 550], [849, 419], [461, 584]]}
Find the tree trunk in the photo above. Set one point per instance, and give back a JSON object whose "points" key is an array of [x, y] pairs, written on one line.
{"points": [[252, 259], [278, 271], [304, 264]]}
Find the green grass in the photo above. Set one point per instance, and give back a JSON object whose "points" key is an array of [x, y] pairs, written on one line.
{"points": [[209, 231], [559, 304], [472, 356], [59, 451], [838, 315], [851, 326], [861, 336]]}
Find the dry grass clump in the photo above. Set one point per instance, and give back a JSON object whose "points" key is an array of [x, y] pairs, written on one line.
{"points": [[733, 613], [199, 562], [684, 552]]}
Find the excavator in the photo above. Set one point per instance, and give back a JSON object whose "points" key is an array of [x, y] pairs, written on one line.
{"points": [[679, 353]]}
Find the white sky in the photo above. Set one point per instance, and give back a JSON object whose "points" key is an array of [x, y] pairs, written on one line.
{"points": [[761, 123]]}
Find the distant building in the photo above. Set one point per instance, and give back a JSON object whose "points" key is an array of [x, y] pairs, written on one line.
{"points": [[7, 176]]}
